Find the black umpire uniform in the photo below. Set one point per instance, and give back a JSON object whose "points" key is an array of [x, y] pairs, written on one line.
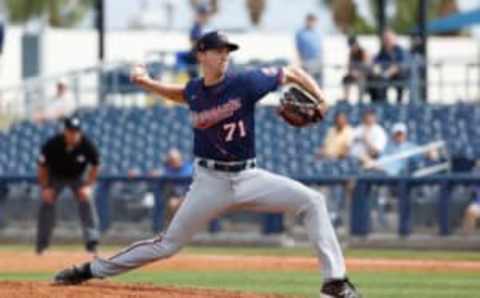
{"points": [[68, 159]]}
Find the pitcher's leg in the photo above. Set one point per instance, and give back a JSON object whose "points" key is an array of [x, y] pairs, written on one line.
{"points": [[192, 216], [266, 191], [207, 198], [134, 256], [323, 238]]}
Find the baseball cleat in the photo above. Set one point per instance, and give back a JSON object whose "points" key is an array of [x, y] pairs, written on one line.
{"points": [[339, 288], [74, 275]]}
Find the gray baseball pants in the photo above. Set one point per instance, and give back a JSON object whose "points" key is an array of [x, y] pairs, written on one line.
{"points": [[215, 192]]}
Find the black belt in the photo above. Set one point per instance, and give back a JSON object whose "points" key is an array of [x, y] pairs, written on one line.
{"points": [[227, 167]]}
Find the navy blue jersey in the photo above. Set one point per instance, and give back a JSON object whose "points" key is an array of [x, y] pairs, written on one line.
{"points": [[223, 115]]}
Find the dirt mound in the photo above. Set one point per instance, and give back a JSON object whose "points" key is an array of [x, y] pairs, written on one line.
{"points": [[25, 289]]}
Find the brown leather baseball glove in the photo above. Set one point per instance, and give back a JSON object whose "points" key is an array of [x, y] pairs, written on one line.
{"points": [[299, 108]]}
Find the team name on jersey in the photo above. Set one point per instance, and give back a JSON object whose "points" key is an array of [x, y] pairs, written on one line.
{"points": [[210, 117]]}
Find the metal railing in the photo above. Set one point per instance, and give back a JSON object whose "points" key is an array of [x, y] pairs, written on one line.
{"points": [[34, 94], [449, 82], [360, 212], [420, 150]]}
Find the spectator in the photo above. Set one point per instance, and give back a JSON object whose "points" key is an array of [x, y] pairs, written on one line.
{"points": [[337, 146], [381, 197], [397, 145], [400, 167], [358, 68], [338, 140], [472, 214], [369, 138], [175, 166], [400, 144], [59, 106], [68, 159], [308, 42], [389, 69]]}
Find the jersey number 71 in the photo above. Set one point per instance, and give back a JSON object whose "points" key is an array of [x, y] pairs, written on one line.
{"points": [[231, 128]]}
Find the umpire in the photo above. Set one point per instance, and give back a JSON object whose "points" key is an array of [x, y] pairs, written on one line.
{"points": [[68, 159]]}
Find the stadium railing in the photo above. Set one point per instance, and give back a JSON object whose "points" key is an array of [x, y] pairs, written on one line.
{"points": [[449, 82], [360, 212]]}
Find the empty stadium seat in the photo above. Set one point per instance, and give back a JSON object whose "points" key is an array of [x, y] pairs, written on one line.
{"points": [[139, 138]]}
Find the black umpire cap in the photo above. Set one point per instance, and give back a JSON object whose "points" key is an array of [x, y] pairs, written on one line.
{"points": [[214, 40], [72, 123]]}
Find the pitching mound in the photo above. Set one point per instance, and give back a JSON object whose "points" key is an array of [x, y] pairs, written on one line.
{"points": [[24, 289]]}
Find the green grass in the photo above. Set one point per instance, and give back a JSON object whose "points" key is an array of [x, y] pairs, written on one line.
{"points": [[25, 276], [354, 253], [414, 254], [306, 284]]}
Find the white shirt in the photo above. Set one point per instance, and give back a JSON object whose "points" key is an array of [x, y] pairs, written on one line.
{"points": [[375, 135], [59, 107]]}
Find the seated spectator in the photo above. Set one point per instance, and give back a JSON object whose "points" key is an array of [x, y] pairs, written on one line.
{"points": [[175, 166], [399, 167], [59, 106], [369, 139], [382, 197], [398, 144], [338, 140], [358, 68], [337, 146], [389, 69]]}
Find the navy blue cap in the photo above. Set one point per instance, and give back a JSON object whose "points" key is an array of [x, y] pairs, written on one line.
{"points": [[214, 40], [72, 123]]}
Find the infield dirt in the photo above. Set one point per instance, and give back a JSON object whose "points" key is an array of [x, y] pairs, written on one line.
{"points": [[27, 262]]}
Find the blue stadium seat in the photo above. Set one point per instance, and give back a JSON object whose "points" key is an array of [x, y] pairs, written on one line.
{"points": [[139, 138]]}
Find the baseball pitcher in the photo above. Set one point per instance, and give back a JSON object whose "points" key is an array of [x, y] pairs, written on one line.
{"points": [[226, 177]]}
